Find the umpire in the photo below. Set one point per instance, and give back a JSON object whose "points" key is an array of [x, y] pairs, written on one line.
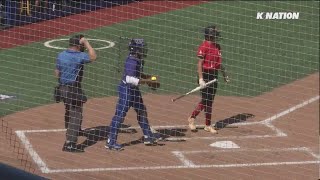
{"points": [[69, 71]]}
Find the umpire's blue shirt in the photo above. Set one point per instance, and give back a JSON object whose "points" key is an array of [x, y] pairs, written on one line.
{"points": [[69, 63]]}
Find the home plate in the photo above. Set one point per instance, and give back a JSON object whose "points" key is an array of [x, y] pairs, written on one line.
{"points": [[224, 144]]}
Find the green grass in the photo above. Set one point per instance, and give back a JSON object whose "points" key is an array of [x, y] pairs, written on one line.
{"points": [[259, 54]]}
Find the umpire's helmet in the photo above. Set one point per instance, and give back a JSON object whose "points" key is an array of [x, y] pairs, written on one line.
{"points": [[138, 47], [75, 41], [211, 33]]}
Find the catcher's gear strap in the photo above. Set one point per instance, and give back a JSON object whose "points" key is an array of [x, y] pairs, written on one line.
{"points": [[57, 94]]}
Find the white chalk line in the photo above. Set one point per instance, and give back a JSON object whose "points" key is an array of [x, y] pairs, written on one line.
{"points": [[189, 164], [279, 133], [224, 137], [266, 122], [184, 167], [276, 116], [36, 158], [317, 156], [263, 122], [248, 150], [34, 155], [48, 43], [42, 130], [182, 158], [311, 100], [186, 162]]}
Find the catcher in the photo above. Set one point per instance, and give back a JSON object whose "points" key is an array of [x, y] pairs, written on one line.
{"points": [[130, 95]]}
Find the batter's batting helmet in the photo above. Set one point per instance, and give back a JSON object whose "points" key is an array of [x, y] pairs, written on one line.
{"points": [[138, 46], [211, 32]]}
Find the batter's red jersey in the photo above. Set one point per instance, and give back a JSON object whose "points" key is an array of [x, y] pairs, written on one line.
{"points": [[211, 54]]}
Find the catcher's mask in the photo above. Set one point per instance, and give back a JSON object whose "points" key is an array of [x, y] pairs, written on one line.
{"points": [[138, 47], [211, 33], [75, 41]]}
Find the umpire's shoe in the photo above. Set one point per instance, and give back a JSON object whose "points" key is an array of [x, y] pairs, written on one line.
{"points": [[71, 147]]}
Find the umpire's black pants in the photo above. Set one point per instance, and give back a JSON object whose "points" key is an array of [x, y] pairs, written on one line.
{"points": [[73, 98], [67, 110]]}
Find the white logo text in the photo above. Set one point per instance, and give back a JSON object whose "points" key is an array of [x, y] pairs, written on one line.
{"points": [[277, 15]]}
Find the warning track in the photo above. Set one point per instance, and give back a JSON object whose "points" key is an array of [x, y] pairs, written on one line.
{"points": [[54, 28]]}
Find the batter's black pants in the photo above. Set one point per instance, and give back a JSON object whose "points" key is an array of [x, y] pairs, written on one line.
{"points": [[207, 95]]}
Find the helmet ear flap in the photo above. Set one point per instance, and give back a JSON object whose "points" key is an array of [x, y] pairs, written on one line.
{"points": [[132, 46]]}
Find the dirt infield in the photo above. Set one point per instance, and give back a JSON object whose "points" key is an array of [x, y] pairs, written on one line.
{"points": [[280, 140]]}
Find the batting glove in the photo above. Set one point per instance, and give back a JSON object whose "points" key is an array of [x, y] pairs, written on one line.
{"points": [[226, 79], [202, 83]]}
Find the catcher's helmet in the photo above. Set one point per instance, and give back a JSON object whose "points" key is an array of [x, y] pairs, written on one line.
{"points": [[211, 32], [138, 46]]}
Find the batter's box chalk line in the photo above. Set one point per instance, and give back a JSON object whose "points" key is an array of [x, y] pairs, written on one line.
{"points": [[188, 163], [180, 155]]}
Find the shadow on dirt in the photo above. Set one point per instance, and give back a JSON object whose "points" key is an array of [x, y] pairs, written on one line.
{"points": [[100, 133], [232, 120]]}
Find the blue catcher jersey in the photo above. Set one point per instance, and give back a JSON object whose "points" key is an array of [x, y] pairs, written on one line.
{"points": [[133, 67]]}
